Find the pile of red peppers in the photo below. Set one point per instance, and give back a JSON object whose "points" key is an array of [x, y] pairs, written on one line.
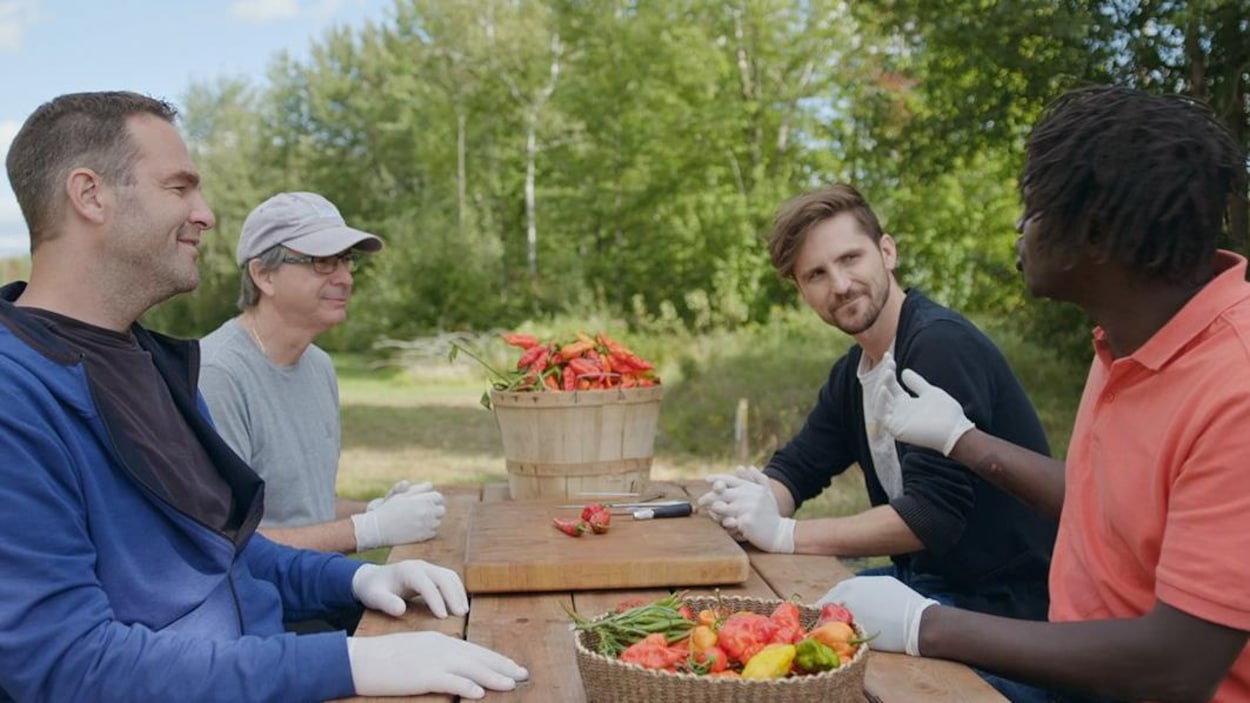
{"points": [[578, 364]]}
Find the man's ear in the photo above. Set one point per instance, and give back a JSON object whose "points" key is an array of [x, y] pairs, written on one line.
{"points": [[889, 251], [262, 278], [88, 196]]}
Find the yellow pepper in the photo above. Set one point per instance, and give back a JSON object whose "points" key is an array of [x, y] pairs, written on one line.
{"points": [[772, 662]]}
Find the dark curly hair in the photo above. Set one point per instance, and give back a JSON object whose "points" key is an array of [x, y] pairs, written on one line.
{"points": [[1141, 180]]}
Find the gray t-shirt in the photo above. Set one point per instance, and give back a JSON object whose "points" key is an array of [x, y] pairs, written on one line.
{"points": [[283, 421]]}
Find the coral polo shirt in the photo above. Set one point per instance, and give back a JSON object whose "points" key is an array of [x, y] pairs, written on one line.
{"points": [[1157, 502]]}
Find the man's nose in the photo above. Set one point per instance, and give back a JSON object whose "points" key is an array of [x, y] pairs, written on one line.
{"points": [[841, 282], [342, 272], [202, 215]]}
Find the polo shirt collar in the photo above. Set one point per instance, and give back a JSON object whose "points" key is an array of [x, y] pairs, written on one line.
{"points": [[1226, 289]]}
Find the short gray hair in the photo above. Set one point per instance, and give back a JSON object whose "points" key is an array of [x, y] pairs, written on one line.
{"points": [[249, 294]]}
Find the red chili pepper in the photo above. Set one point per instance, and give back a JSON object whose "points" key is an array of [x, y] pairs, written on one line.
{"points": [[570, 379], [834, 612], [585, 367], [569, 526], [742, 635], [653, 652], [530, 356], [789, 624], [524, 341], [713, 659], [598, 516], [574, 349]]}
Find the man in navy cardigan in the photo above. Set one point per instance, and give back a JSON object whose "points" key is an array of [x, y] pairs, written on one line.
{"points": [[132, 566], [950, 534]]}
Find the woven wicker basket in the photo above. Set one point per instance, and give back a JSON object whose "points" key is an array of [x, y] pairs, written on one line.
{"points": [[609, 680]]}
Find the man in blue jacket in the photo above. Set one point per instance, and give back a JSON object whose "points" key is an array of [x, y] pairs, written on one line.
{"points": [[132, 566], [949, 533]]}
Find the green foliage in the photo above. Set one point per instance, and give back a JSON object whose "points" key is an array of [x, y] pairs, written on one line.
{"points": [[777, 367], [649, 145]]}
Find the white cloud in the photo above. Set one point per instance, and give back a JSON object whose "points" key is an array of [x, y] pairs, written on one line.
{"points": [[15, 17], [266, 11], [263, 11]]}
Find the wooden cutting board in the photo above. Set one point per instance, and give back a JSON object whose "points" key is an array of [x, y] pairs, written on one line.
{"points": [[513, 547]]}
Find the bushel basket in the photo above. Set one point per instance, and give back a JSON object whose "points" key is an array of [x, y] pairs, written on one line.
{"points": [[609, 680], [563, 444]]}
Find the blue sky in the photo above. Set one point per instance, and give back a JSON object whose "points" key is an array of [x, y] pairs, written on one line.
{"points": [[157, 47]]}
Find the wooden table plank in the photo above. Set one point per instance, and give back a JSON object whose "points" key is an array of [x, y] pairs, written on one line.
{"points": [[447, 550], [534, 631]]}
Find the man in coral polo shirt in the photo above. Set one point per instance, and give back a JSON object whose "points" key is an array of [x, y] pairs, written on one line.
{"points": [[1125, 198]]}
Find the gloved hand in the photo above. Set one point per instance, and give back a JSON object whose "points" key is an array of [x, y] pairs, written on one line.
{"points": [[932, 419], [886, 608], [707, 500], [411, 515], [745, 500], [412, 663], [385, 588], [403, 486]]}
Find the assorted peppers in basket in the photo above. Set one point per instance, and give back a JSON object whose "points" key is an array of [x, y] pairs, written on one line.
{"points": [[665, 635]]}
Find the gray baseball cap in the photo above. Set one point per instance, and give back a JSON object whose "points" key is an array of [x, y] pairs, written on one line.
{"points": [[304, 222]]}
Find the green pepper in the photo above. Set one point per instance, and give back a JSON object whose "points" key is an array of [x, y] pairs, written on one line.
{"points": [[813, 655]]}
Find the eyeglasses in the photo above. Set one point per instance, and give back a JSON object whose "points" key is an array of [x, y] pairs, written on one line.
{"points": [[326, 265]]}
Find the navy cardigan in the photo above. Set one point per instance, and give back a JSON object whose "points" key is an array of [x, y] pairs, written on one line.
{"points": [[978, 539]]}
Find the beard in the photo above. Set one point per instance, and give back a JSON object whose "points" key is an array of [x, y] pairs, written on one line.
{"points": [[873, 302]]}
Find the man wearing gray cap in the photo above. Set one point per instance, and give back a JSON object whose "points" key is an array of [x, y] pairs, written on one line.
{"points": [[273, 393]]}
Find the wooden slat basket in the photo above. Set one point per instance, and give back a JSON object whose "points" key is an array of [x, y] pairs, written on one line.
{"points": [[561, 445]]}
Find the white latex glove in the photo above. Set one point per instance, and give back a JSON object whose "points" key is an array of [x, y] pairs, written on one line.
{"points": [[412, 663], [932, 419], [401, 487], [707, 500], [385, 588], [407, 516], [746, 501], [886, 608]]}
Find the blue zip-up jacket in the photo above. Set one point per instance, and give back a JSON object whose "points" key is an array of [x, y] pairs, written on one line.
{"points": [[108, 592]]}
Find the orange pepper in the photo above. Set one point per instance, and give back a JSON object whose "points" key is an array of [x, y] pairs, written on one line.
{"points": [[702, 637], [832, 634]]}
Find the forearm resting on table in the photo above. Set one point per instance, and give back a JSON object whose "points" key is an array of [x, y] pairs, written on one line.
{"points": [[1165, 655], [1035, 479], [878, 531], [336, 536]]}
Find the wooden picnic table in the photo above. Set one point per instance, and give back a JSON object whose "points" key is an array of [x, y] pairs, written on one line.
{"points": [[533, 629]]}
